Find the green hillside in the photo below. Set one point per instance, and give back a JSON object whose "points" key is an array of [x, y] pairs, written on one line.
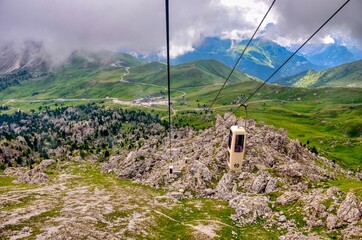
{"points": [[347, 75], [191, 74], [95, 77], [326, 119], [264, 56], [84, 75]]}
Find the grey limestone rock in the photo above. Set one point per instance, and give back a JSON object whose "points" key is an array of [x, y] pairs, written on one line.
{"points": [[282, 218], [260, 183], [349, 210], [225, 186], [333, 191], [36, 175], [289, 197], [271, 186], [248, 208], [264, 182], [333, 221], [298, 236], [352, 232]]}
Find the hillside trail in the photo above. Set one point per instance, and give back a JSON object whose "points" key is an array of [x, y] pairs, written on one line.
{"points": [[125, 74]]}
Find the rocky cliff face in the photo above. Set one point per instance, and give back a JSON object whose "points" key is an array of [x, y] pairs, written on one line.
{"points": [[278, 181]]}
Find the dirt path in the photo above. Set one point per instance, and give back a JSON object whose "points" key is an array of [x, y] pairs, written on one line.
{"points": [[125, 74]]}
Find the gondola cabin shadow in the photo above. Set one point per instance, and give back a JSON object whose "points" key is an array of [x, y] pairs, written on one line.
{"points": [[236, 147]]}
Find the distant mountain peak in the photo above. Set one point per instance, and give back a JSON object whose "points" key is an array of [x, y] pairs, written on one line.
{"points": [[260, 60]]}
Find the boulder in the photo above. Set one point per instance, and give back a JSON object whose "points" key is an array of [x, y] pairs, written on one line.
{"points": [[34, 176], [271, 186], [333, 221], [249, 208], [209, 191], [45, 163], [225, 186], [264, 182], [359, 176], [352, 232], [282, 218], [295, 150], [349, 210], [176, 195], [333, 191], [289, 197], [260, 183]]}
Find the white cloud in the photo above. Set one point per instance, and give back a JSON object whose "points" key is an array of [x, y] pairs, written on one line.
{"points": [[298, 19], [327, 39], [139, 25]]}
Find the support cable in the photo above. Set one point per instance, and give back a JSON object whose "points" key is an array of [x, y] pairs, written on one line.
{"points": [[168, 72], [339, 9], [238, 61]]}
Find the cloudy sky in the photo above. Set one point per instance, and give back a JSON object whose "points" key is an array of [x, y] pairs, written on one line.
{"points": [[139, 25]]}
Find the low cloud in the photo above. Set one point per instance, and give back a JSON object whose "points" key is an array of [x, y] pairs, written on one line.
{"points": [[297, 20], [139, 25]]}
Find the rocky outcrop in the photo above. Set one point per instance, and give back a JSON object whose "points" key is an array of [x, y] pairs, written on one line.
{"points": [[352, 232], [276, 171], [333, 222], [33, 177], [248, 207], [289, 197], [264, 183], [203, 162], [350, 209], [36, 175], [15, 171], [298, 236], [225, 186]]}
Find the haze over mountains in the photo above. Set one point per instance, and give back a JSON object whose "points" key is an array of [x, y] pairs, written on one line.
{"points": [[260, 60], [331, 54], [346, 75], [263, 56]]}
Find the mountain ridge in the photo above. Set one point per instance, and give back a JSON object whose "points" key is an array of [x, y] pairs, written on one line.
{"points": [[346, 75], [260, 60]]}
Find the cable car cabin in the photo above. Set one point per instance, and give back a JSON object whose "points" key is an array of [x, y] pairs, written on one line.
{"points": [[236, 147]]}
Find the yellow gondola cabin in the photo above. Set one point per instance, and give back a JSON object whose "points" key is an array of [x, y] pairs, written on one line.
{"points": [[236, 147]]}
